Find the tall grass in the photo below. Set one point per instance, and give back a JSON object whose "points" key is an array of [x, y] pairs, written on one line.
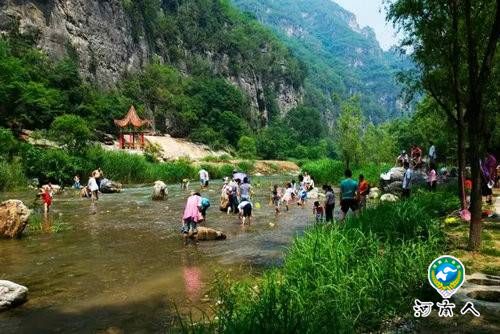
{"points": [[11, 175], [131, 168], [343, 279], [327, 170]]}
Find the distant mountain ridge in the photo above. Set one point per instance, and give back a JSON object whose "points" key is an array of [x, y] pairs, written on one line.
{"points": [[342, 58]]}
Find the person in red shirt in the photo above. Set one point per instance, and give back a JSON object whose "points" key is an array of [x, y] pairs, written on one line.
{"points": [[363, 191], [46, 196], [416, 156]]}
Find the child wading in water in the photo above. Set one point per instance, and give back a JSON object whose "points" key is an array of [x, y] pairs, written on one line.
{"points": [[288, 195], [319, 212], [46, 196], [276, 198]]}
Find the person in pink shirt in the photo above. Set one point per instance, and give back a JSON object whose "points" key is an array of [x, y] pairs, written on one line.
{"points": [[432, 177], [191, 217]]}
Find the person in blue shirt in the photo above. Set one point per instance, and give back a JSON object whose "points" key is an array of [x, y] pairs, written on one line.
{"points": [[348, 189], [205, 204]]}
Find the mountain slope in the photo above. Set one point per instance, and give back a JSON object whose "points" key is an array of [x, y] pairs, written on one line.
{"points": [[113, 38], [342, 58]]}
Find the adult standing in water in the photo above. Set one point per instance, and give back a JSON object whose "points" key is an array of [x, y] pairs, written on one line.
{"points": [[233, 193], [348, 189], [94, 191], [204, 178], [329, 203], [245, 190], [191, 217]]}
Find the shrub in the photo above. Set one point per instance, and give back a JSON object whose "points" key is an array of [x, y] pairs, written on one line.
{"points": [[50, 165], [324, 171], [246, 166], [11, 175], [153, 152], [8, 143], [71, 131], [247, 147]]}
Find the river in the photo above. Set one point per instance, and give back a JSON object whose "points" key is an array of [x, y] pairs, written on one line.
{"points": [[126, 267]]}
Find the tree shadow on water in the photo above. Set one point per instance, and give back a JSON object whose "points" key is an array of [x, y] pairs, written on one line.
{"points": [[154, 315]]}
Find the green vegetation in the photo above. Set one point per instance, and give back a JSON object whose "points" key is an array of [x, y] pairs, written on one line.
{"points": [[340, 59], [332, 171], [343, 279]]}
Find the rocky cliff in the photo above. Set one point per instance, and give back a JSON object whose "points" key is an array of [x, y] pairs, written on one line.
{"points": [[342, 58], [104, 37]]}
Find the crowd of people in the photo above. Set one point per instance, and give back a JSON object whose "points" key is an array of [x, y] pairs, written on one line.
{"points": [[236, 193]]}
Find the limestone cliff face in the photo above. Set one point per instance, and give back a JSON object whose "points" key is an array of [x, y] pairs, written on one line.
{"points": [[100, 32]]}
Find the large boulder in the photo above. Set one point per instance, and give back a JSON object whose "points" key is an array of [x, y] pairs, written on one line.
{"points": [[392, 181], [374, 193], [110, 187], [11, 294], [13, 218], [160, 191], [389, 198], [205, 233]]}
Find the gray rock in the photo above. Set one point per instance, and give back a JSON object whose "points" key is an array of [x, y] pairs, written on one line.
{"points": [[110, 187], [12, 294], [14, 217], [483, 291], [160, 191]]}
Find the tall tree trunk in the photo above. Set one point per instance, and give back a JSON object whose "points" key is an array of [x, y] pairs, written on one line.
{"points": [[461, 164], [476, 196]]}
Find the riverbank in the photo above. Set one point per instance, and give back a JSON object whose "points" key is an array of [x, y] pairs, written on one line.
{"points": [[60, 166], [360, 277]]}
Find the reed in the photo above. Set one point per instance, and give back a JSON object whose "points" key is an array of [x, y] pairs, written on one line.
{"points": [[11, 175]]}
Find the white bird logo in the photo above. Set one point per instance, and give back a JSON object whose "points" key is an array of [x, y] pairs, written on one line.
{"points": [[443, 274]]}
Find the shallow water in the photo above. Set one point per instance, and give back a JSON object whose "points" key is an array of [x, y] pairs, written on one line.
{"points": [[126, 266]]}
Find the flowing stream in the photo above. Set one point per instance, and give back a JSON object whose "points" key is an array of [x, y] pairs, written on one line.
{"points": [[126, 267]]}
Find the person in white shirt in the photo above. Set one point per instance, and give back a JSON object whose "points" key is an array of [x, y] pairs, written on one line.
{"points": [[93, 187], [204, 178], [245, 209]]}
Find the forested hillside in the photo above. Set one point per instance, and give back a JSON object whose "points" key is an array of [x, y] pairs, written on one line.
{"points": [[342, 58], [197, 68]]}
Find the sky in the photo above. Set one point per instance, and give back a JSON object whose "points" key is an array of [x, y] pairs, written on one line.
{"points": [[371, 13]]}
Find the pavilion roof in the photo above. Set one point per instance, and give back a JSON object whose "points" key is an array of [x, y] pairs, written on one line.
{"points": [[132, 119]]}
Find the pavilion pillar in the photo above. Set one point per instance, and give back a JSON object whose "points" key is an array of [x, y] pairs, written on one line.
{"points": [[142, 140], [133, 140]]}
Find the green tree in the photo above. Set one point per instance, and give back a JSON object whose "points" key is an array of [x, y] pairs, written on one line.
{"points": [[454, 49], [71, 131], [247, 147], [379, 145], [307, 123], [348, 132]]}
